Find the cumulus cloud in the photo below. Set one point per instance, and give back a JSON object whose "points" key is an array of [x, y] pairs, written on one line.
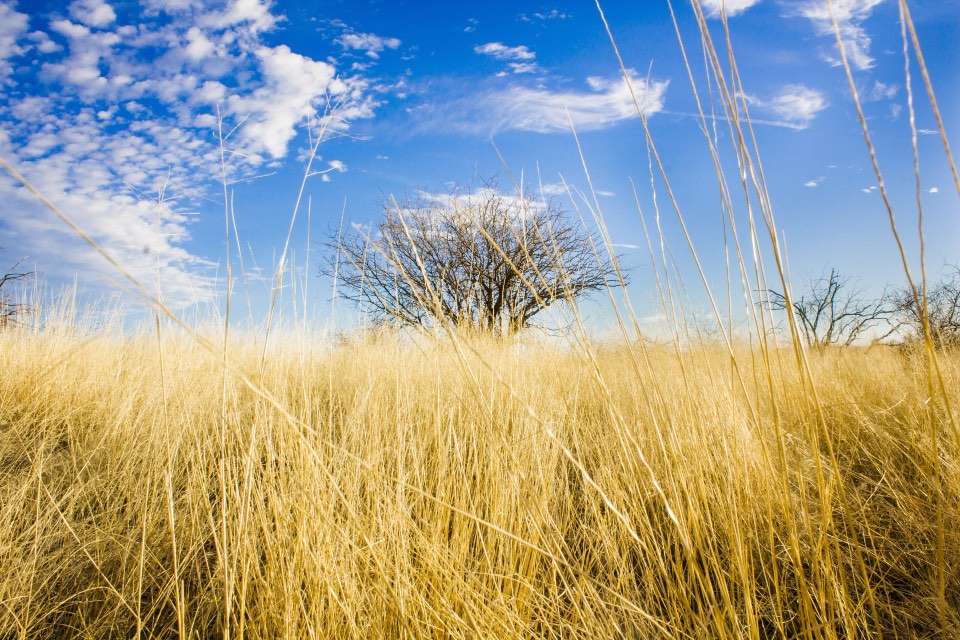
{"points": [[713, 8], [13, 25], [850, 16], [293, 85], [128, 109], [93, 13], [255, 15], [605, 103]]}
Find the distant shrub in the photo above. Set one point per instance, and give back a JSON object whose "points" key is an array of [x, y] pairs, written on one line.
{"points": [[11, 311]]}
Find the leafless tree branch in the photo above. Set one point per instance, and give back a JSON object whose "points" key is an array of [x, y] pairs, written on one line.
{"points": [[486, 261], [834, 312], [10, 310]]}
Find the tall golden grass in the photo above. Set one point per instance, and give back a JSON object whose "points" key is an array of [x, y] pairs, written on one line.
{"points": [[408, 491], [188, 481]]}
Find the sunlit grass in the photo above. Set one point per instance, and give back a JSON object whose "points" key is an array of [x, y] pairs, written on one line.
{"points": [[214, 482], [510, 493]]}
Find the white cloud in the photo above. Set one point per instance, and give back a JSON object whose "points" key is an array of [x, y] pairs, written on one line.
{"points": [[814, 183], [731, 7], [293, 87], [849, 15], [93, 13], [148, 243], [607, 104], [463, 202], [524, 67], [253, 14], [522, 108], [927, 132], [139, 110], [13, 25], [795, 104], [500, 51], [552, 14], [520, 60], [880, 91], [43, 42], [372, 44], [933, 190], [88, 49], [553, 189], [198, 45]]}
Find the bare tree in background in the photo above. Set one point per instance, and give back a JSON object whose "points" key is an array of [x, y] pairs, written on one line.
{"points": [[10, 309], [485, 261], [943, 310], [833, 312]]}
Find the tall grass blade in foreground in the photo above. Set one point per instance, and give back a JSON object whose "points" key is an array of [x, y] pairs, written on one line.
{"points": [[458, 486]]}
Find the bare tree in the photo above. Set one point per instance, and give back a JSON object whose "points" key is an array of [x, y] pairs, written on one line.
{"points": [[487, 261], [10, 309], [943, 310], [832, 311]]}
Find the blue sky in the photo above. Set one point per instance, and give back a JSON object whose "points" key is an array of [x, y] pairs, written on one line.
{"points": [[107, 105]]}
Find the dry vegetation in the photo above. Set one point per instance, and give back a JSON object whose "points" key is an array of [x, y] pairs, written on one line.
{"points": [[408, 491], [173, 483]]}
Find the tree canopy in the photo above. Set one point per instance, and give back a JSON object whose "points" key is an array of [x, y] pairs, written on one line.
{"points": [[486, 261]]}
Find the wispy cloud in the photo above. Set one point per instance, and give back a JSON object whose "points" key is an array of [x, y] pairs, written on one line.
{"points": [[543, 16], [605, 103], [519, 59], [814, 183], [881, 91], [794, 104], [371, 44], [850, 16], [500, 51], [933, 190], [554, 189], [523, 67], [713, 8]]}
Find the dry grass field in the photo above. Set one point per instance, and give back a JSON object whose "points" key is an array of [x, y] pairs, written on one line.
{"points": [[178, 482], [454, 488]]}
